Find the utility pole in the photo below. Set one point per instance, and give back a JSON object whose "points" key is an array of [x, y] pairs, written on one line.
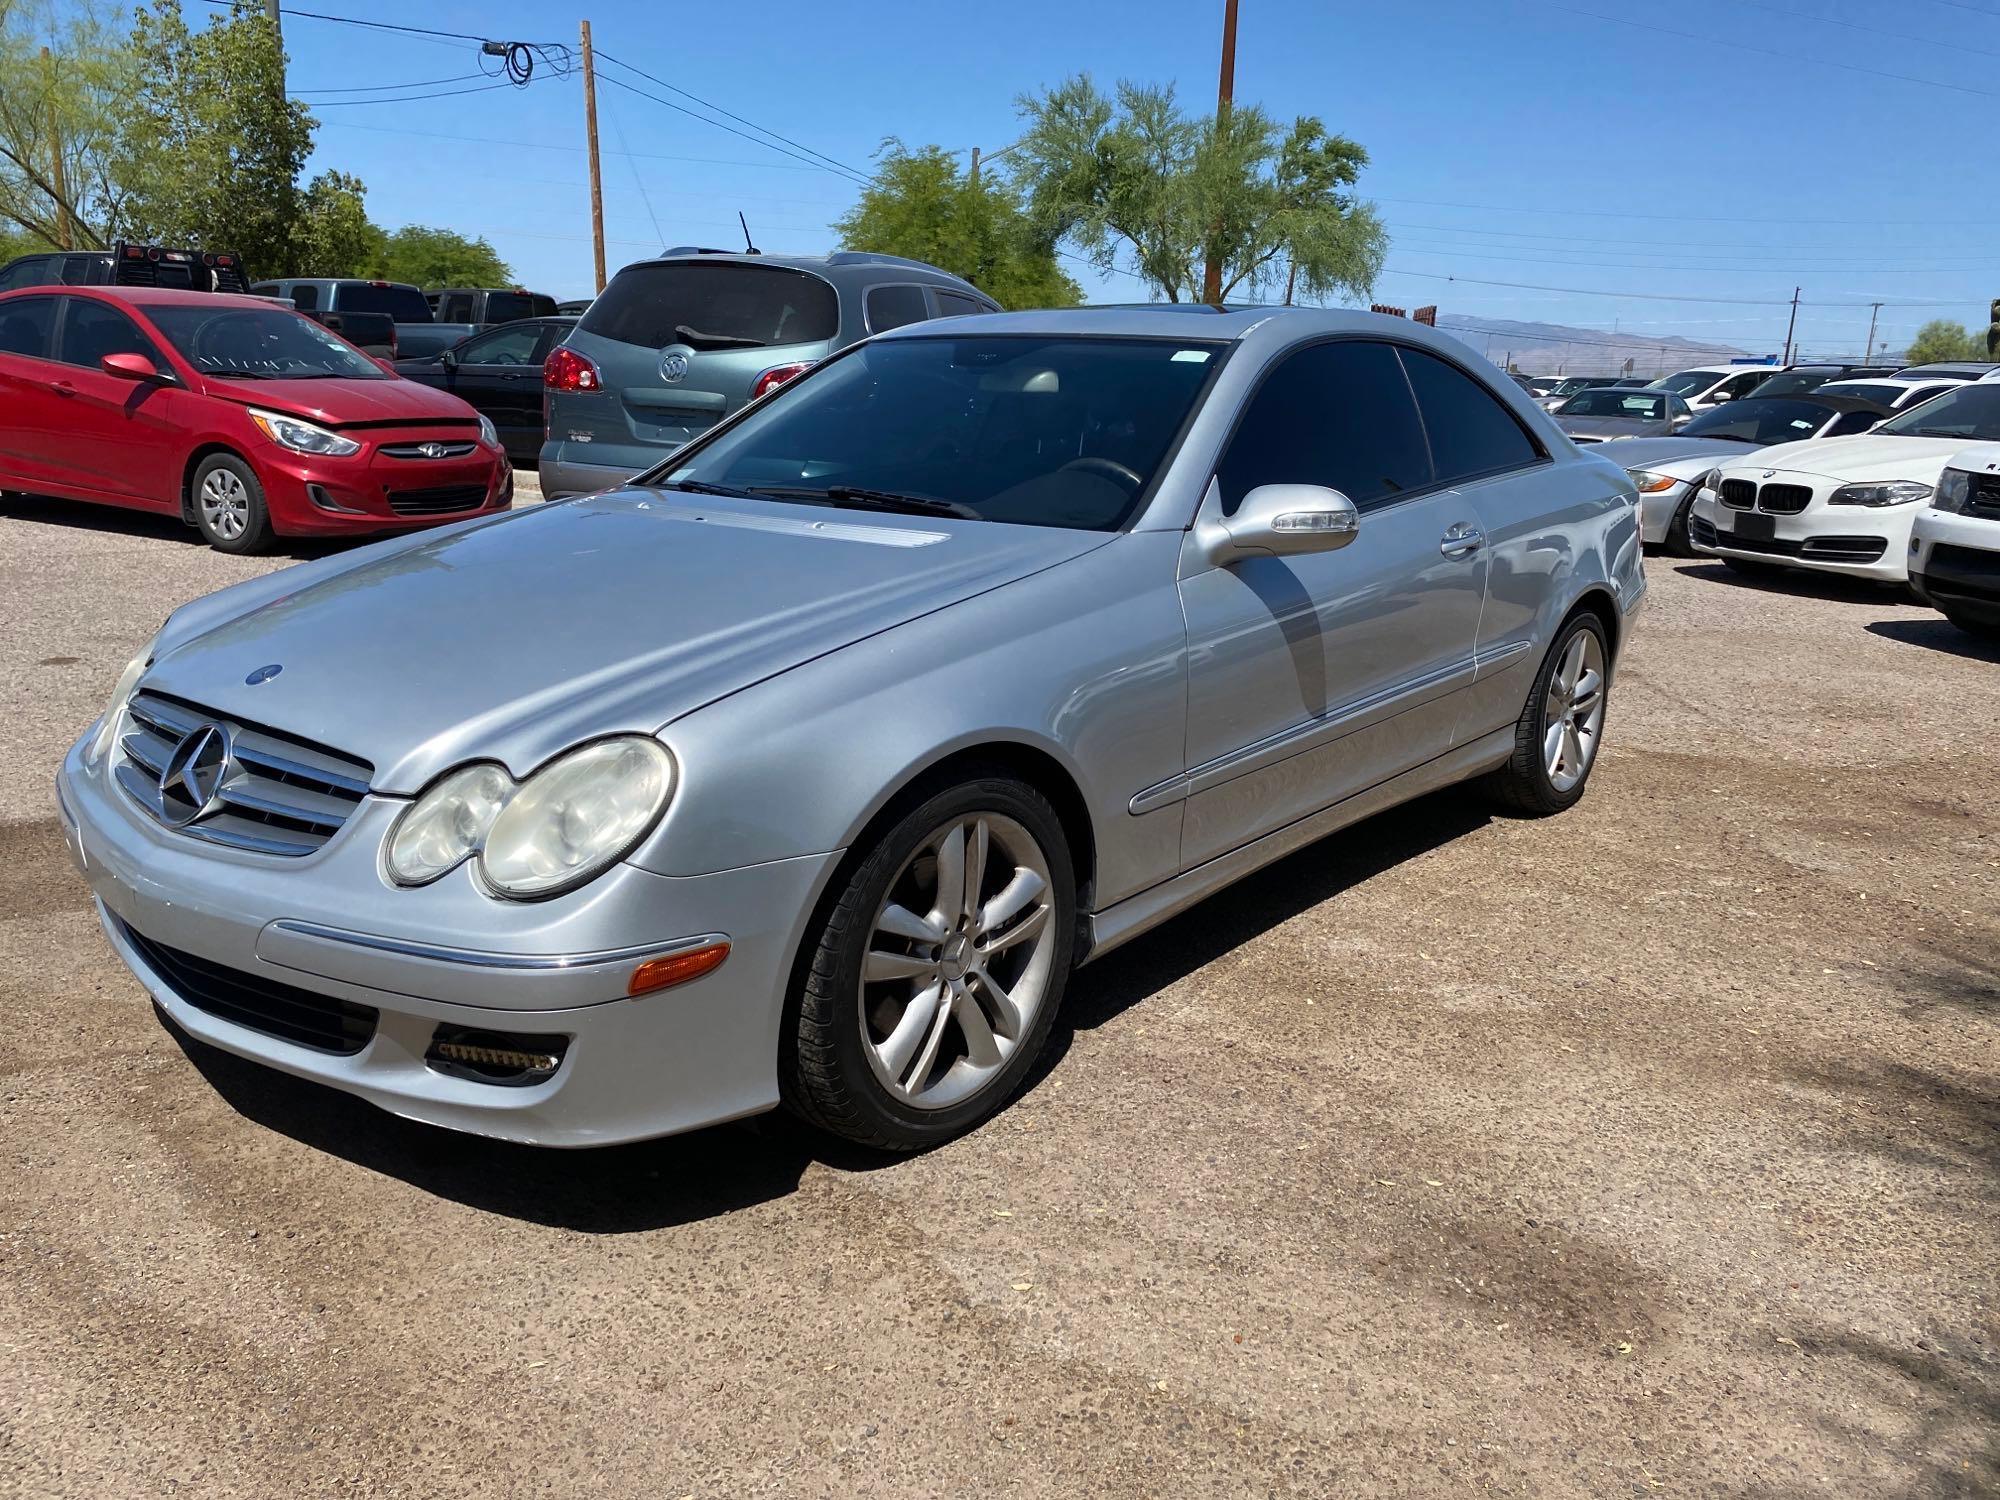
{"points": [[1794, 323], [973, 175], [596, 175], [1874, 309], [277, 30], [1225, 93]]}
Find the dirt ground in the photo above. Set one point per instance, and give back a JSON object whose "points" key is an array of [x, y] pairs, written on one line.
{"points": [[1647, 1150]]}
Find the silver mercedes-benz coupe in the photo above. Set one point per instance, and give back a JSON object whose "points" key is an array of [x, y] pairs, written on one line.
{"points": [[806, 767]]}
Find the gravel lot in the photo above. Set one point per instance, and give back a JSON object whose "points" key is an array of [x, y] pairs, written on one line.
{"points": [[1651, 1149]]}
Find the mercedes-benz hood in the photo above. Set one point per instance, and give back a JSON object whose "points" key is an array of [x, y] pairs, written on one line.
{"points": [[514, 637]]}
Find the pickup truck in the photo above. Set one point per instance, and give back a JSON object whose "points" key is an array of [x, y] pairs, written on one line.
{"points": [[127, 264], [420, 332]]}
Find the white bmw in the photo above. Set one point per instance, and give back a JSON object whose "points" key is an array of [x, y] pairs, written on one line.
{"points": [[1843, 504]]}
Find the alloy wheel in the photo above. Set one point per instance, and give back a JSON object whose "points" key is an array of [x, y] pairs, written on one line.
{"points": [[1573, 715], [225, 504], [959, 961]]}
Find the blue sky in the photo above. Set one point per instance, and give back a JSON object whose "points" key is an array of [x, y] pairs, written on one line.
{"points": [[1748, 146]]}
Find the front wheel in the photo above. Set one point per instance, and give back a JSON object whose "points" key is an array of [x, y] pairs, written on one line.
{"points": [[1678, 543], [229, 508], [937, 971], [1979, 627], [1561, 725]]}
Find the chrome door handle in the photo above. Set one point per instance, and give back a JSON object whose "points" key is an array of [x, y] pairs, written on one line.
{"points": [[1462, 540]]}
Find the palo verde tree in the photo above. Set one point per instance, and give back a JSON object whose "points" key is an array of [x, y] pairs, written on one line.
{"points": [[212, 146], [921, 205], [61, 77], [1270, 207]]}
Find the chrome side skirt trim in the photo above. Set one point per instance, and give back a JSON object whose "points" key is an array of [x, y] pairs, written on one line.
{"points": [[1137, 914], [1311, 735], [1502, 653], [473, 958]]}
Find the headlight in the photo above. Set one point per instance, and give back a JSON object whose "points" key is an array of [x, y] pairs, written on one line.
{"points": [[1650, 483], [576, 815], [448, 824], [488, 434], [556, 830], [1891, 492], [107, 727], [302, 437], [1953, 490]]}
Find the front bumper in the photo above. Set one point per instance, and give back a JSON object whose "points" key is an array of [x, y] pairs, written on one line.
{"points": [[1955, 562], [371, 491], [328, 924], [1657, 510], [1857, 541]]}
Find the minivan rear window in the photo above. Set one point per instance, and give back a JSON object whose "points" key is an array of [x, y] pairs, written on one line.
{"points": [[718, 306], [403, 303]]}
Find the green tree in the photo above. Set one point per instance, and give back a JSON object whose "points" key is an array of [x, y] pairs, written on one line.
{"points": [[922, 206], [1266, 206], [439, 257], [211, 145], [62, 74], [1941, 339], [333, 236]]}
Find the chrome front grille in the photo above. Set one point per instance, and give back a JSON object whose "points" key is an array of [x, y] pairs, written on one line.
{"points": [[246, 787], [434, 449]]}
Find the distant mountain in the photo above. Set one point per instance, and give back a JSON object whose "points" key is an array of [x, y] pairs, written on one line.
{"points": [[1545, 348]]}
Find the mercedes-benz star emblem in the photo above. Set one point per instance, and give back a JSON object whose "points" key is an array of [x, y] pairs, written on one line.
{"points": [[193, 775], [431, 450], [673, 367], [263, 674]]}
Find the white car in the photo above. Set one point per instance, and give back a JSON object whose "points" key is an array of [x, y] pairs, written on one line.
{"points": [[1955, 544], [1840, 504], [1898, 392], [1704, 386]]}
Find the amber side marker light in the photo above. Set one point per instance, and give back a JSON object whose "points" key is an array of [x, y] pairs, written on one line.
{"points": [[676, 968]]}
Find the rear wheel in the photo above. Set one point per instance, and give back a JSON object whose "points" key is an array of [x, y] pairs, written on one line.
{"points": [[1556, 737], [937, 971], [229, 509]]}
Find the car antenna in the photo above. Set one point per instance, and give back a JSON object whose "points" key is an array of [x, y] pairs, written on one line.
{"points": [[749, 247]]}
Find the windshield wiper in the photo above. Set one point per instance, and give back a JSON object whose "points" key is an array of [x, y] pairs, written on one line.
{"points": [[703, 487], [715, 340], [241, 374], [855, 497]]}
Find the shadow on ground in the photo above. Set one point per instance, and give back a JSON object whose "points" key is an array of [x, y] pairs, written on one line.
{"points": [[113, 520], [1937, 634], [1797, 581], [657, 1184]]}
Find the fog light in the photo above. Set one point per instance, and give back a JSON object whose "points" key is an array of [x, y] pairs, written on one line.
{"points": [[676, 968], [506, 1058]]}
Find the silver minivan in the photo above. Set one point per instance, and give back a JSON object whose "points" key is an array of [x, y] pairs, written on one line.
{"points": [[675, 344]]}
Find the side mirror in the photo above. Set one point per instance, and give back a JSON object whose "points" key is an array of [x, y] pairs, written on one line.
{"points": [[387, 364], [1279, 520], [130, 367], [1718, 396], [448, 358]]}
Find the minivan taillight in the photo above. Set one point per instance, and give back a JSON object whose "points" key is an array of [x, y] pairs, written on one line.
{"points": [[566, 370], [776, 376]]}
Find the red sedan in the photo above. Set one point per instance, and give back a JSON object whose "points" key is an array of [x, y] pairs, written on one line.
{"points": [[237, 414]]}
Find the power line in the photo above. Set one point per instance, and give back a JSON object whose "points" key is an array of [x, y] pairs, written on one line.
{"points": [[374, 88], [486, 140], [754, 140], [484, 88], [1789, 57], [1901, 36]]}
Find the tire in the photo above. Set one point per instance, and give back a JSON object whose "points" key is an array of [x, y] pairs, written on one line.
{"points": [[1978, 627], [228, 503], [1530, 784], [895, 1061], [1677, 541], [1749, 569]]}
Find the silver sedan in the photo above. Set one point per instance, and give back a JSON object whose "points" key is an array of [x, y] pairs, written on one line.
{"points": [[807, 767]]}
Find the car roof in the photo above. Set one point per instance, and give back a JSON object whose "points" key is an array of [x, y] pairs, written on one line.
{"points": [[1171, 320], [153, 296], [859, 265], [1949, 367]]}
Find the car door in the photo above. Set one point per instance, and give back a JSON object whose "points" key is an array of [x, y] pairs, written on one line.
{"points": [[123, 439], [500, 374], [31, 414], [1313, 677]]}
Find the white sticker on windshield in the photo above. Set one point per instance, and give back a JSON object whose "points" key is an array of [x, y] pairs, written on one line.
{"points": [[1192, 356]]}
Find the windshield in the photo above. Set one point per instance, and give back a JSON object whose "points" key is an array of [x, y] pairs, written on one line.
{"points": [[260, 343], [1035, 431], [1686, 383], [1761, 420], [1793, 382], [1971, 412], [1646, 406], [1884, 393], [403, 303]]}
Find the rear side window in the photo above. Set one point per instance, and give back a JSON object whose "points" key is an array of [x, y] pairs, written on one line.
{"points": [[455, 307], [1471, 433], [893, 306], [91, 330], [958, 305], [506, 307], [405, 304], [718, 306], [1338, 415], [305, 298], [26, 326], [77, 269]]}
